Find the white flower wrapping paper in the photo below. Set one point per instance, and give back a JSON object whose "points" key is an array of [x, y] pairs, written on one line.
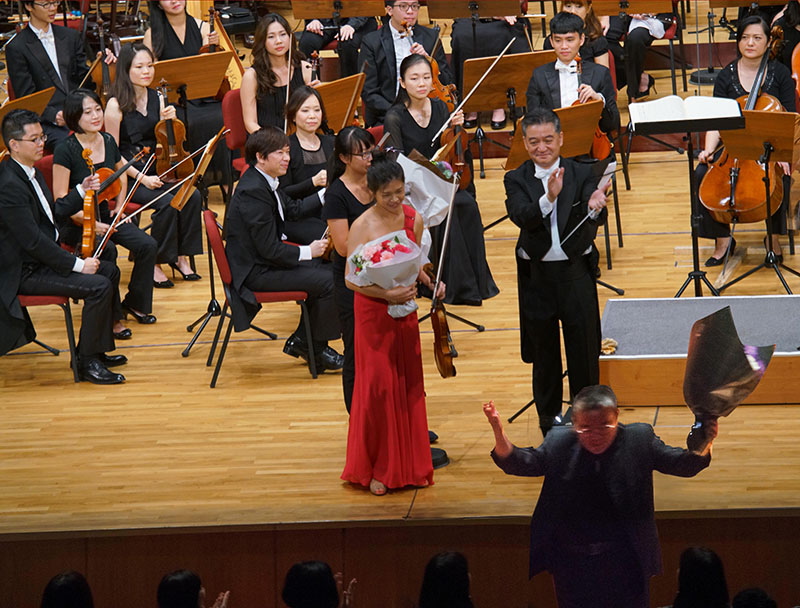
{"points": [[401, 269]]}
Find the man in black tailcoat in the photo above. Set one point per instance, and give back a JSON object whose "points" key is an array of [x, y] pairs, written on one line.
{"points": [[556, 204], [33, 263], [261, 260], [384, 50]]}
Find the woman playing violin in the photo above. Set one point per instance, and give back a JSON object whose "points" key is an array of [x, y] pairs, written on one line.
{"points": [[387, 440], [310, 151], [83, 115], [264, 84], [734, 80], [347, 197], [412, 122], [131, 117]]}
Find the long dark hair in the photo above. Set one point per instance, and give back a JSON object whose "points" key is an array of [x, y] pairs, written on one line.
{"points": [[446, 582], [792, 15], [752, 20], [383, 170], [701, 580], [122, 88], [179, 589], [591, 24], [405, 65], [350, 140], [73, 107], [310, 585], [265, 77], [159, 25]]}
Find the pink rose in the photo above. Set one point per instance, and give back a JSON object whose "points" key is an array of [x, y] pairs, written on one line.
{"points": [[402, 248], [386, 255]]}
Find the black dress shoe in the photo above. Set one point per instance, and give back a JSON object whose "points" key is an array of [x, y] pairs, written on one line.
{"points": [[125, 334], [712, 261], [95, 372], [329, 359], [144, 319], [295, 347], [470, 124], [163, 284], [432, 437], [498, 124], [192, 276], [112, 360]]}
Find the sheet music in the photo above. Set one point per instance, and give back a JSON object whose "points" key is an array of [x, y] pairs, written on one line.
{"points": [[674, 108]]}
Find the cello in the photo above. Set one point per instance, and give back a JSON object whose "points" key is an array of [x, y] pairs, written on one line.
{"points": [[733, 189]]}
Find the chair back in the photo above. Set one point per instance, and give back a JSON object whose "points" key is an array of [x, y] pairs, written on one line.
{"points": [[376, 132], [10, 90], [612, 67], [217, 247], [45, 165], [234, 120]]}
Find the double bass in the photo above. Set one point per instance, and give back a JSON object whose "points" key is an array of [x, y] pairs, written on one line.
{"points": [[733, 189]]}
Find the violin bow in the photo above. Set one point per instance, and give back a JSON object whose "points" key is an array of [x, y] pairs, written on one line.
{"points": [[474, 88], [118, 216], [456, 179], [160, 196]]}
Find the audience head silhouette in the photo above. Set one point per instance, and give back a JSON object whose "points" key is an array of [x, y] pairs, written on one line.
{"points": [[753, 598], [180, 589], [446, 582], [701, 580], [67, 590], [310, 585]]}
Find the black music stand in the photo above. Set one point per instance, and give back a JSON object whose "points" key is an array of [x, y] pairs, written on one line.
{"points": [[689, 126], [768, 137], [510, 76]]}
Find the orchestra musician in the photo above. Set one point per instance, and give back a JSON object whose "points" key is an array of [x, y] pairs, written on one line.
{"points": [[789, 22], [263, 91], [492, 34], [35, 264], [548, 197], [555, 85], [595, 45], [319, 33], [310, 151], [44, 55], [174, 34], [131, 117], [412, 122], [84, 117], [733, 81], [382, 52], [346, 198], [259, 258]]}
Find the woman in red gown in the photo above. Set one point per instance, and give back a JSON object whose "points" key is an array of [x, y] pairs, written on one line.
{"points": [[387, 443]]}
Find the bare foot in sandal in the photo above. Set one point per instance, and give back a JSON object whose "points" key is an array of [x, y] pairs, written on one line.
{"points": [[377, 488]]}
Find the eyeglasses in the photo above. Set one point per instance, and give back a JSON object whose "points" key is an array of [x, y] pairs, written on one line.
{"points": [[606, 428], [36, 140], [404, 7], [47, 4], [366, 155]]}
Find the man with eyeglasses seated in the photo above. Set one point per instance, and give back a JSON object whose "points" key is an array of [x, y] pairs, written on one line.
{"points": [[35, 264], [594, 526], [45, 55], [384, 50]]}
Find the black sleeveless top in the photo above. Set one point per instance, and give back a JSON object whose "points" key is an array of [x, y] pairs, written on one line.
{"points": [[175, 49], [270, 106], [137, 131]]}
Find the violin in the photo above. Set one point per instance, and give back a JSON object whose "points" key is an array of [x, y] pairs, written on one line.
{"points": [[314, 61], [601, 146], [213, 16], [455, 140], [733, 189], [170, 150], [110, 182], [444, 350], [447, 93], [89, 215]]}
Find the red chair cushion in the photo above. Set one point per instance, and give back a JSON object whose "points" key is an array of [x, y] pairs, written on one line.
{"points": [[217, 248], [332, 45], [280, 296], [26, 300], [240, 165], [45, 165]]}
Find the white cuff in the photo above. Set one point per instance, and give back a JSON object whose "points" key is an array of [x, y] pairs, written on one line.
{"points": [[78, 265], [305, 253], [603, 97], [322, 196], [545, 205], [80, 190]]}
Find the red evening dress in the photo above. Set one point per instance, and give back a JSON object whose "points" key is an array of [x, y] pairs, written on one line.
{"points": [[388, 435]]}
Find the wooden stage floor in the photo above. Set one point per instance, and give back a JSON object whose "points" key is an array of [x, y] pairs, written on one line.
{"points": [[266, 447]]}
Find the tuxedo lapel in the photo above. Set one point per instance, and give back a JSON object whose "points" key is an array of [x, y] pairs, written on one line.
{"points": [[388, 49], [565, 198], [36, 50], [64, 57], [553, 85]]}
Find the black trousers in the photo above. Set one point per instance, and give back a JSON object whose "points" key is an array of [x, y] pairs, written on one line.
{"points": [[303, 232], [313, 277], [97, 292], [347, 324], [563, 292], [175, 232], [347, 50], [636, 43]]}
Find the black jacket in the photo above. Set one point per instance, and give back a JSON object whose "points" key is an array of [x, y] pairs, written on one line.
{"points": [[544, 90], [377, 51], [627, 472], [31, 70], [254, 227], [27, 238]]}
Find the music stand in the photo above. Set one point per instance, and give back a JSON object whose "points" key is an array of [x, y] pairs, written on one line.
{"points": [[192, 77], [767, 137], [340, 98], [35, 102], [337, 9], [511, 75], [455, 9]]}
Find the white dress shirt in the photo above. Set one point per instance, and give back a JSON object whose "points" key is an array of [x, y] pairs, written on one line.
{"points": [[48, 41], [568, 82], [305, 250], [31, 173], [402, 49]]}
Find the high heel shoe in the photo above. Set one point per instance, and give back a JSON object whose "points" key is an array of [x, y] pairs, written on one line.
{"points": [[142, 318], [163, 284], [125, 334], [712, 261], [643, 95], [192, 276]]}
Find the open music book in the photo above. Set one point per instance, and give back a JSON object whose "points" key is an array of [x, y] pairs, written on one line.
{"points": [[683, 112]]}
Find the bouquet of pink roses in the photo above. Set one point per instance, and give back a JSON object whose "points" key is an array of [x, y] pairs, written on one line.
{"points": [[389, 261]]}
